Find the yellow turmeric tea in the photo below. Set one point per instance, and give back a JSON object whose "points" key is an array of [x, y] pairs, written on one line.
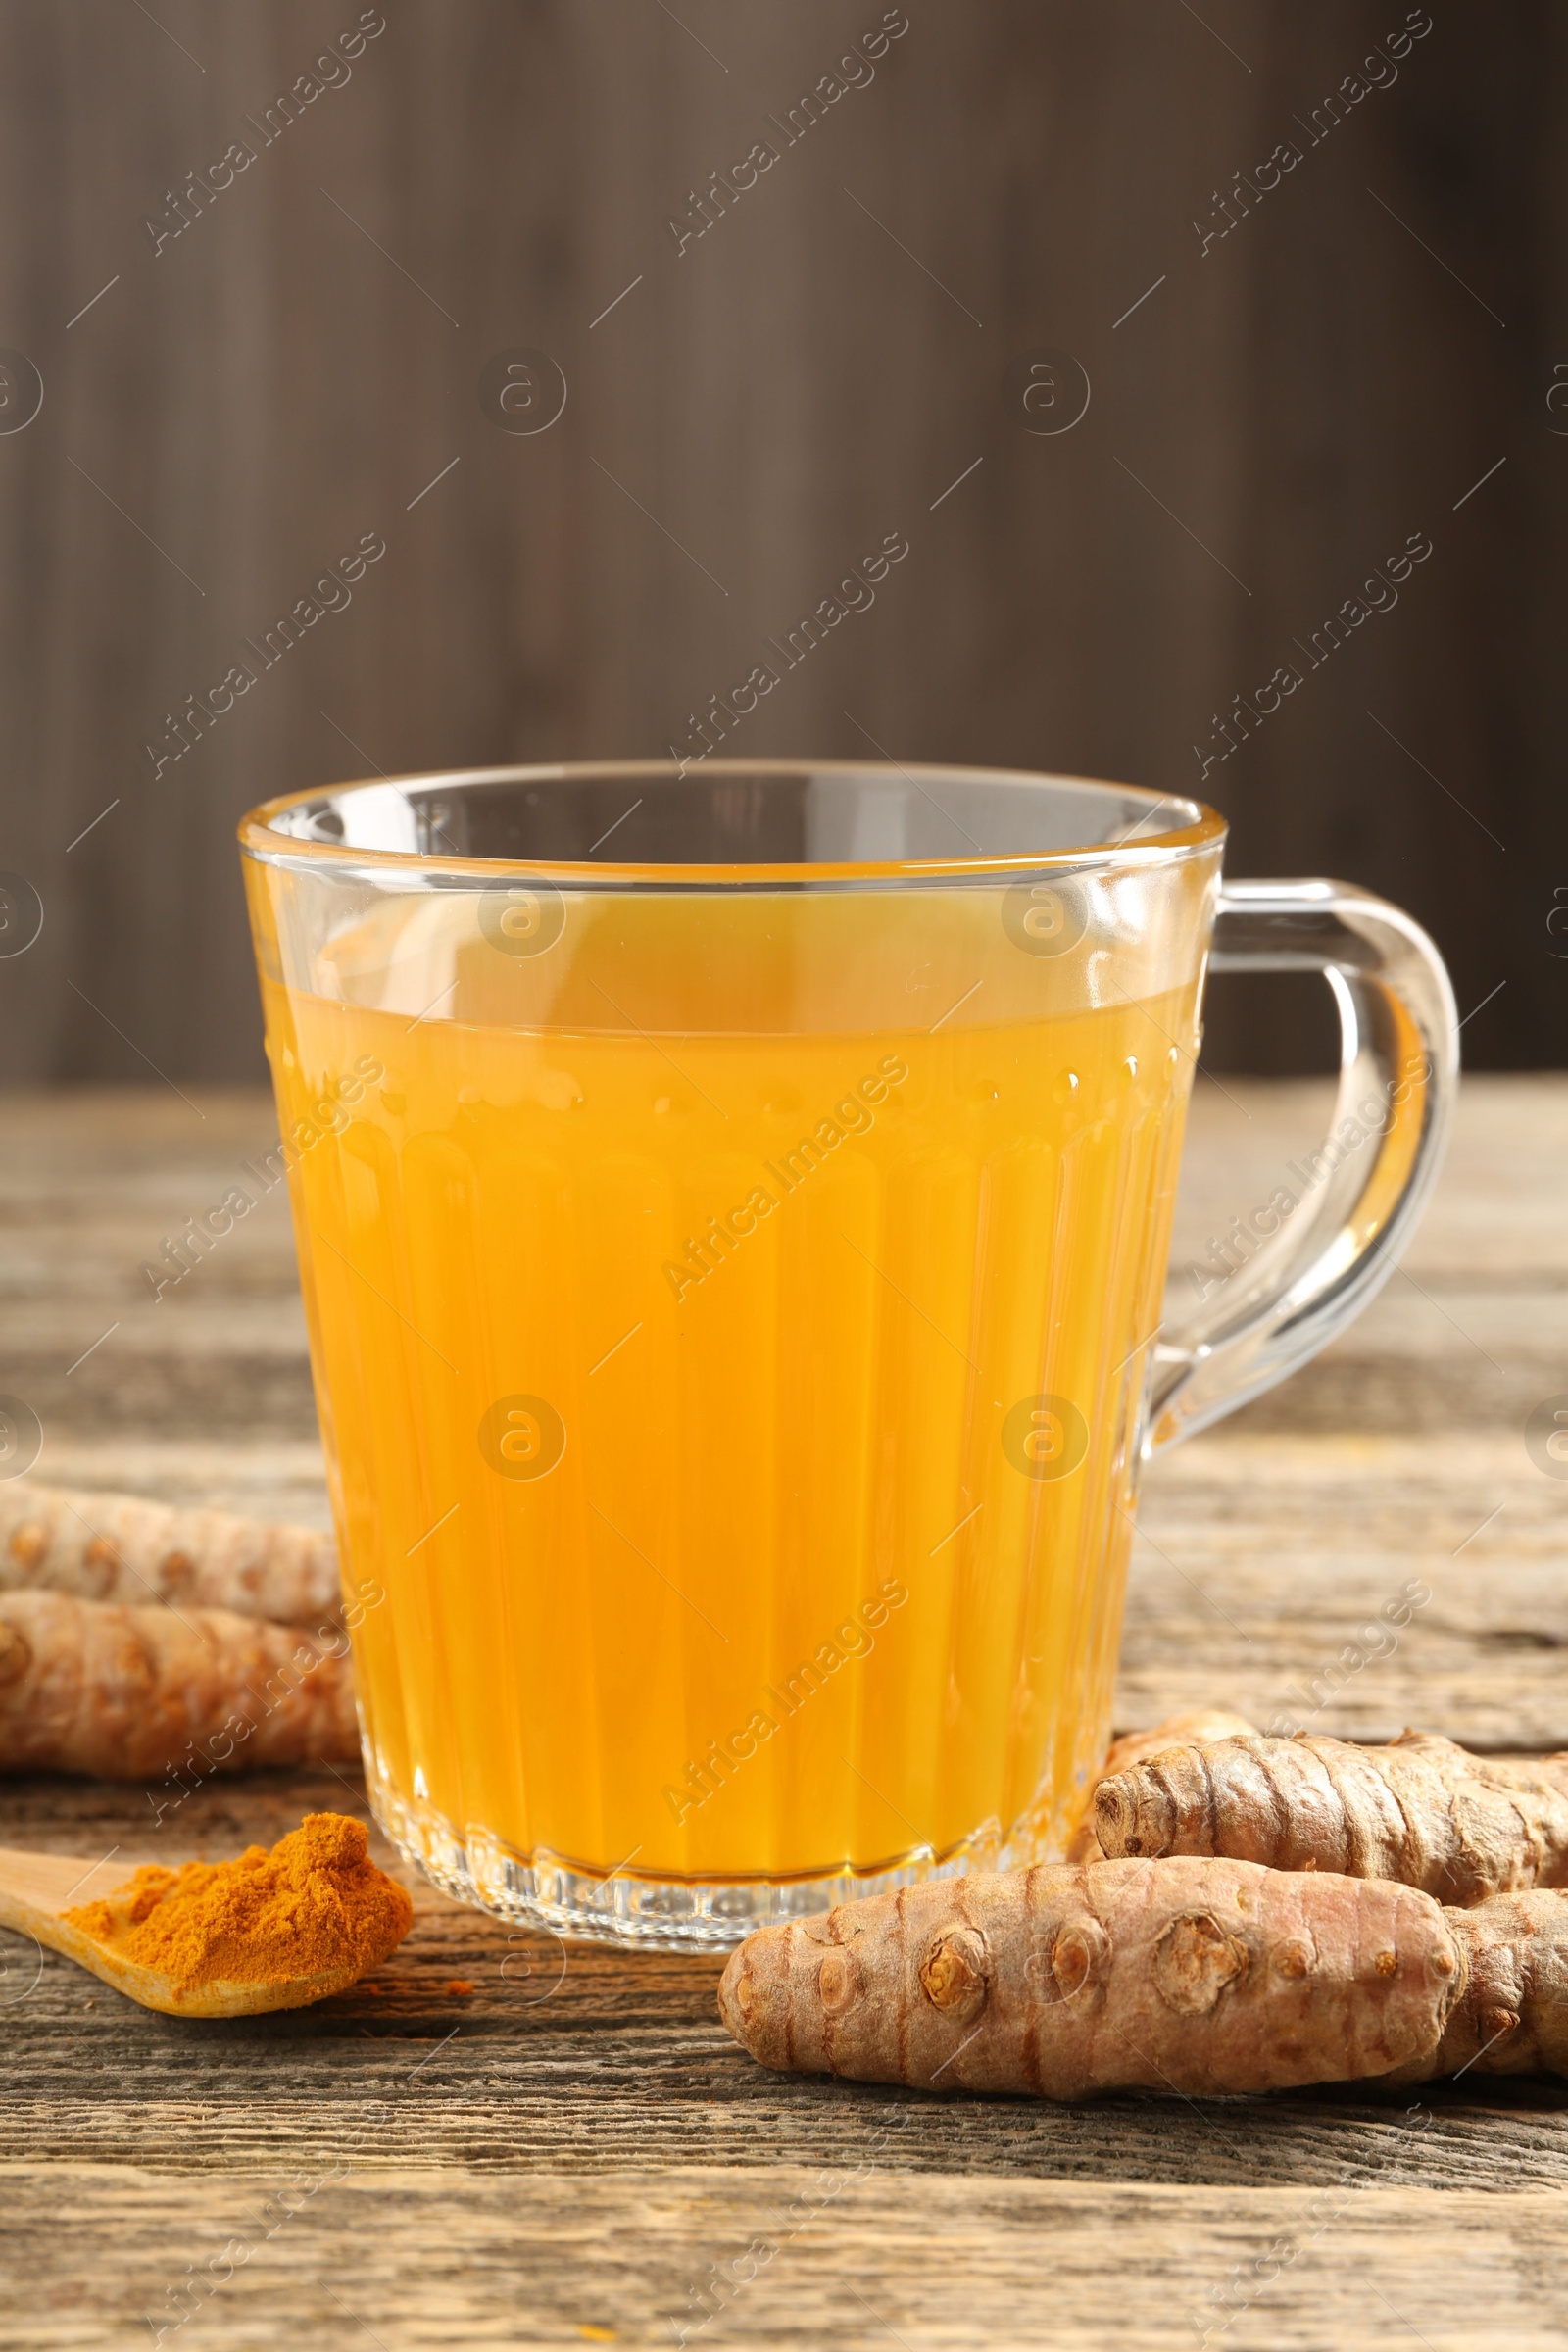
{"points": [[737, 1413]]}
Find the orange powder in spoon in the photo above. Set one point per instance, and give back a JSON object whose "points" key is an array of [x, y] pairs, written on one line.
{"points": [[316, 1902]]}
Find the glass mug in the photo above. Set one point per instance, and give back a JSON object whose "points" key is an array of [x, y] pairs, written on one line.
{"points": [[732, 1211]]}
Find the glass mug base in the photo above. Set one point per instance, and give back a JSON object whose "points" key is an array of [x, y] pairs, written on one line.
{"points": [[668, 1914]]}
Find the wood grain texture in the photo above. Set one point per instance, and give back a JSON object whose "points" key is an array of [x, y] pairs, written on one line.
{"points": [[790, 2257], [1293, 399], [564, 2152]]}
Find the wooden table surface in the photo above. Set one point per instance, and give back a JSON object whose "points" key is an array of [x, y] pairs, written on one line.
{"points": [[575, 2151]]}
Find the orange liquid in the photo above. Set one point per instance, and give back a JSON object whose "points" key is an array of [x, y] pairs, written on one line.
{"points": [[721, 1539]]}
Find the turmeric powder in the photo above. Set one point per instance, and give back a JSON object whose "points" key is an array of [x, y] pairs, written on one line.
{"points": [[315, 1905], [1421, 1810]]}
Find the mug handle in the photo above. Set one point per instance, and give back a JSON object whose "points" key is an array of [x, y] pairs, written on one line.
{"points": [[1308, 1263]]}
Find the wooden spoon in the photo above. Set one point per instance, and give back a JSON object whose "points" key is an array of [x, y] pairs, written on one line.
{"points": [[37, 1890]]}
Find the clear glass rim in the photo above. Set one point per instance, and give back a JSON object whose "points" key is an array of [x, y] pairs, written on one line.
{"points": [[260, 837]]}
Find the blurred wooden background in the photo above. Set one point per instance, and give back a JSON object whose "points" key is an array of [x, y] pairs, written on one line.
{"points": [[230, 412]]}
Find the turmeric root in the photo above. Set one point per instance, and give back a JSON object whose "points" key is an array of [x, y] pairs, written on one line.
{"points": [[1062, 1982], [1422, 1811], [1511, 2016], [127, 1693], [1197, 1729], [120, 1548]]}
